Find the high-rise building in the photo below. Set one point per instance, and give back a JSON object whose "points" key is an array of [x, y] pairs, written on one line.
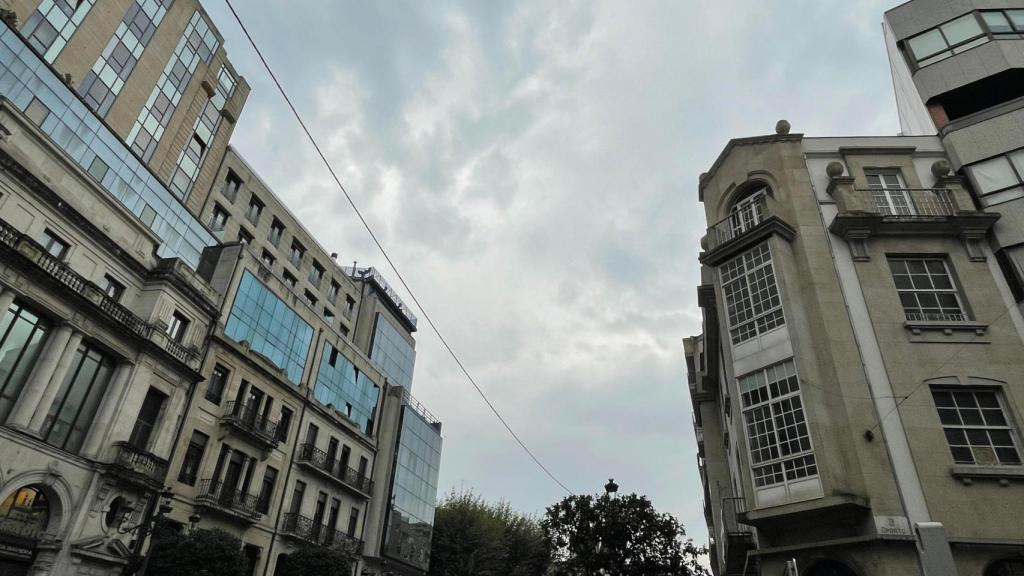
{"points": [[172, 340], [857, 385]]}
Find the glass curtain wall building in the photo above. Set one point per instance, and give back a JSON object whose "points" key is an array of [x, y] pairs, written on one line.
{"points": [[410, 522], [34, 88], [270, 327], [341, 385], [392, 353]]}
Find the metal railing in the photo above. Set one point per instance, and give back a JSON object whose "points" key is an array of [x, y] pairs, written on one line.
{"points": [[32, 251], [740, 220], [311, 531], [215, 493], [732, 507], [909, 201], [317, 458], [137, 461], [246, 417], [376, 276]]}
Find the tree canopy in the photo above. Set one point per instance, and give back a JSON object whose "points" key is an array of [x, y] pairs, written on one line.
{"points": [[617, 536], [475, 538], [195, 553], [317, 561]]}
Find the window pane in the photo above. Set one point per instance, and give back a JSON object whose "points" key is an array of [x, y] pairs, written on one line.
{"points": [[992, 175], [961, 29], [996, 22], [927, 44]]}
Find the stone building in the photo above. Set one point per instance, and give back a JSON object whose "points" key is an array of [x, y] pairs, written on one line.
{"points": [[170, 333], [856, 387]]}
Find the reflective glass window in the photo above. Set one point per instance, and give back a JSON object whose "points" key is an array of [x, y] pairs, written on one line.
{"points": [[22, 333], [392, 353], [270, 327], [414, 490], [75, 405], [752, 300], [52, 24], [338, 384], [977, 426]]}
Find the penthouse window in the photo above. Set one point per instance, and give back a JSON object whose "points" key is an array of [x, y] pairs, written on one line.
{"points": [[926, 289], [752, 298], [951, 38], [779, 442], [1004, 21], [999, 179], [977, 426]]}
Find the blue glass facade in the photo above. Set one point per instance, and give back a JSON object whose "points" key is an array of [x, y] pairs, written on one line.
{"points": [[339, 383], [414, 490], [97, 150], [391, 353], [270, 327]]}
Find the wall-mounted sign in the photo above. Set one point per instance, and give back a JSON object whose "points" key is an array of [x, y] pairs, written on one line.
{"points": [[892, 526]]}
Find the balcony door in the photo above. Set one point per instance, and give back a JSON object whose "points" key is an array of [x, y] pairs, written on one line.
{"points": [[746, 213], [889, 193], [232, 475], [147, 420]]}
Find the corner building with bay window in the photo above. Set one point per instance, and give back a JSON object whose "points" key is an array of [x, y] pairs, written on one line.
{"points": [[166, 324], [858, 387]]}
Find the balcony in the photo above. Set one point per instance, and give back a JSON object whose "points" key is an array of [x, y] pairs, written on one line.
{"points": [[137, 466], [244, 418], [216, 496], [317, 461], [737, 538], [18, 249], [941, 211], [307, 530], [747, 225]]}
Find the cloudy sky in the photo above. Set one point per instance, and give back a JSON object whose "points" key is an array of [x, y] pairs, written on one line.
{"points": [[532, 168]]}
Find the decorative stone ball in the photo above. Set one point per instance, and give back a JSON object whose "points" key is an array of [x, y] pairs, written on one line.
{"points": [[834, 169], [941, 168], [782, 127], [704, 242]]}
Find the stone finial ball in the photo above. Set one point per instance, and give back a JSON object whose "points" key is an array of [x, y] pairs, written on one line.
{"points": [[782, 127], [704, 242], [834, 169], [941, 168]]}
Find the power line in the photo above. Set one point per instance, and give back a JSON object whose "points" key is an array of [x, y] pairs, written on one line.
{"points": [[384, 252]]}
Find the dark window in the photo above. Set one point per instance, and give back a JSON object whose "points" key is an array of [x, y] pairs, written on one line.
{"points": [[254, 211], [149, 413], [328, 314], [232, 183], [22, 333], [346, 454], [363, 463], [320, 510], [218, 382], [298, 251], [290, 280], [332, 519], [284, 424], [266, 490], [267, 258], [311, 434], [1014, 274], [316, 274], [75, 405], [332, 292], [178, 327], [1008, 567], [112, 288], [244, 236], [276, 231], [219, 218], [310, 298], [54, 245], [252, 557], [977, 426], [297, 495], [353, 521], [193, 458], [333, 356], [350, 304]]}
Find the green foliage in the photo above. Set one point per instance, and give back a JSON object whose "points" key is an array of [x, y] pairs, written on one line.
{"points": [[318, 561], [620, 536], [196, 553], [475, 538]]}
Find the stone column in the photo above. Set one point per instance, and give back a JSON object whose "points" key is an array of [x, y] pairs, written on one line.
{"points": [[6, 299], [40, 376], [55, 381], [105, 415], [164, 435]]}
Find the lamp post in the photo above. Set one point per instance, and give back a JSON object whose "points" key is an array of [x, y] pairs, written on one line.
{"points": [[611, 487], [148, 525]]}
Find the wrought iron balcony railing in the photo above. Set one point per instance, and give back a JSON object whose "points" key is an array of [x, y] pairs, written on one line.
{"points": [[248, 420], [26, 249], [307, 529], [137, 463], [740, 221], [908, 202], [215, 494], [316, 458]]}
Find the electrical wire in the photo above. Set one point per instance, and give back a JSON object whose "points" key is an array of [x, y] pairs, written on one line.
{"points": [[384, 252]]}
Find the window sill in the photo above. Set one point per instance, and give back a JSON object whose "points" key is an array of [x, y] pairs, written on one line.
{"points": [[947, 331], [1003, 474]]}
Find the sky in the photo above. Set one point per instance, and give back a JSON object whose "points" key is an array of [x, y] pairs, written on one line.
{"points": [[532, 169]]}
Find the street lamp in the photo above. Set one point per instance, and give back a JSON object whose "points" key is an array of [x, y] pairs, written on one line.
{"points": [[611, 487]]}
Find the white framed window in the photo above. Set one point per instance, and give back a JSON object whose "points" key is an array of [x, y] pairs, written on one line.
{"points": [[889, 192], [747, 213], [977, 426], [777, 436], [753, 305], [926, 289]]}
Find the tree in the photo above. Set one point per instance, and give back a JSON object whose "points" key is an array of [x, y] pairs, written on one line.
{"points": [[195, 553], [475, 538], [618, 536], [318, 561]]}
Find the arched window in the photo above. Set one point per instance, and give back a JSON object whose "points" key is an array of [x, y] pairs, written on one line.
{"points": [[1009, 567], [747, 210], [830, 568], [25, 513]]}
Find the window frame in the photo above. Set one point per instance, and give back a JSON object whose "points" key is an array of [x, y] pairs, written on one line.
{"points": [[890, 195], [178, 327], [217, 395], [113, 288], [51, 239], [965, 314], [918, 62], [255, 210], [769, 319], [1005, 157], [1009, 425]]}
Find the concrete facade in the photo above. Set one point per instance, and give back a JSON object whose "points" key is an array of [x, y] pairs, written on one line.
{"points": [[850, 378], [160, 334]]}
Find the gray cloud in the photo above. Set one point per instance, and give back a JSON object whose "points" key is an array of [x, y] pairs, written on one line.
{"points": [[532, 168]]}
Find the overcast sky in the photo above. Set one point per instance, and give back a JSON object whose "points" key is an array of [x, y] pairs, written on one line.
{"points": [[532, 168]]}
